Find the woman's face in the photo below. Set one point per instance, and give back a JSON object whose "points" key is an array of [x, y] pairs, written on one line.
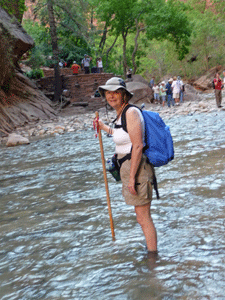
{"points": [[114, 99]]}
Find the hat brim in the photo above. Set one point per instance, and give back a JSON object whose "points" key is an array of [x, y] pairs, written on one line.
{"points": [[112, 88]]}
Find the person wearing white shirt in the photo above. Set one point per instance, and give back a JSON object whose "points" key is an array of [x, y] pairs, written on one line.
{"points": [[162, 92], [176, 90], [86, 63], [181, 88], [99, 65], [155, 89]]}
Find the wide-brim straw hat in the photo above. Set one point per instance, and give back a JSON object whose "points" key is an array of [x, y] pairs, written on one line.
{"points": [[112, 85], [170, 80]]}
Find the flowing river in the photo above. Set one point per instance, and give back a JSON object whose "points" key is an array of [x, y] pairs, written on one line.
{"points": [[55, 240]]}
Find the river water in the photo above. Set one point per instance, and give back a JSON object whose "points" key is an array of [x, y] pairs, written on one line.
{"points": [[55, 234]]}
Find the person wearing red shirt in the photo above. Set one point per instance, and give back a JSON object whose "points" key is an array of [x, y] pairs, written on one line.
{"points": [[76, 68], [218, 88]]}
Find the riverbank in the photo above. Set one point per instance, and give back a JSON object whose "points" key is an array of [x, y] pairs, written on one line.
{"points": [[71, 118]]}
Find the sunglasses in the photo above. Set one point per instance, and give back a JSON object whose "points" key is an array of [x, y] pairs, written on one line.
{"points": [[110, 93]]}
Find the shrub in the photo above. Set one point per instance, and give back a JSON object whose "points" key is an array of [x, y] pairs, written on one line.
{"points": [[49, 63], [35, 74]]}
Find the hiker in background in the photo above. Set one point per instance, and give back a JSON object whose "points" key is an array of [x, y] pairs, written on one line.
{"points": [[218, 89], [224, 79], [155, 89], [163, 92], [169, 92], [129, 74], [181, 89], [176, 90], [61, 64], [152, 82], [99, 65], [86, 63], [76, 68], [136, 174]]}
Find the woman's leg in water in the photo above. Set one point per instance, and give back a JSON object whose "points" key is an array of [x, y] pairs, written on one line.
{"points": [[144, 218]]}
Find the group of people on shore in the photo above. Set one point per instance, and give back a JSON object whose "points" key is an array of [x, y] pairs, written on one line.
{"points": [[85, 65], [171, 92]]}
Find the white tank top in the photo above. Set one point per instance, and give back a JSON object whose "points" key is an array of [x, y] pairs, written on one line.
{"points": [[122, 139]]}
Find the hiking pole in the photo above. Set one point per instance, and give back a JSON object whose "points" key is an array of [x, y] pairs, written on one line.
{"points": [[105, 178]]}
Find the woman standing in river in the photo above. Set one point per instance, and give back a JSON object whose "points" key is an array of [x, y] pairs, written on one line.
{"points": [[136, 173]]}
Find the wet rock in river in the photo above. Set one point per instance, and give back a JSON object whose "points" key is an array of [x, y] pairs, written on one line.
{"points": [[16, 139]]}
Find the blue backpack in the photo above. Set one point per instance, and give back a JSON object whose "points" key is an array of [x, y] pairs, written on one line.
{"points": [[158, 140]]}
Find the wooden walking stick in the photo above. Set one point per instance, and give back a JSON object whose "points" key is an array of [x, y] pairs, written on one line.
{"points": [[105, 179]]}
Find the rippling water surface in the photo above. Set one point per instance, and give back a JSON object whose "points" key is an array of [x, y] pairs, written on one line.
{"points": [[55, 235]]}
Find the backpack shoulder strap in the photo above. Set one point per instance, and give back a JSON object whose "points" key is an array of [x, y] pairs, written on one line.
{"points": [[123, 116]]}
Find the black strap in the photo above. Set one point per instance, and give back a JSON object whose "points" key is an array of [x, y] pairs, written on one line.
{"points": [[123, 159], [118, 126], [123, 117], [155, 185], [154, 182]]}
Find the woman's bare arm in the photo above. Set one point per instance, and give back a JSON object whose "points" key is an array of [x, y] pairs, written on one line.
{"points": [[134, 128]]}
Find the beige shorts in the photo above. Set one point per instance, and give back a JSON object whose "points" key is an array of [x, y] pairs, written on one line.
{"points": [[144, 179], [176, 95]]}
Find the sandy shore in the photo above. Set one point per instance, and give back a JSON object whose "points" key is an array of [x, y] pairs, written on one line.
{"points": [[73, 118]]}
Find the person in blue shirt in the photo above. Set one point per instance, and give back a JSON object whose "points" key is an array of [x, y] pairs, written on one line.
{"points": [[152, 82], [169, 92]]}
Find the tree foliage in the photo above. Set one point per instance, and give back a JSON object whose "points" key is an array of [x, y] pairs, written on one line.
{"points": [[14, 7], [168, 21], [158, 19], [71, 29], [150, 36]]}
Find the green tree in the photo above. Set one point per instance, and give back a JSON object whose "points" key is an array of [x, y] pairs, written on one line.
{"points": [[64, 25], [14, 7], [208, 35], [120, 19], [158, 19], [168, 21], [55, 50], [220, 8], [72, 30]]}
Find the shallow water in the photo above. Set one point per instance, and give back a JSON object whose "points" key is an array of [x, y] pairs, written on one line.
{"points": [[55, 235]]}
